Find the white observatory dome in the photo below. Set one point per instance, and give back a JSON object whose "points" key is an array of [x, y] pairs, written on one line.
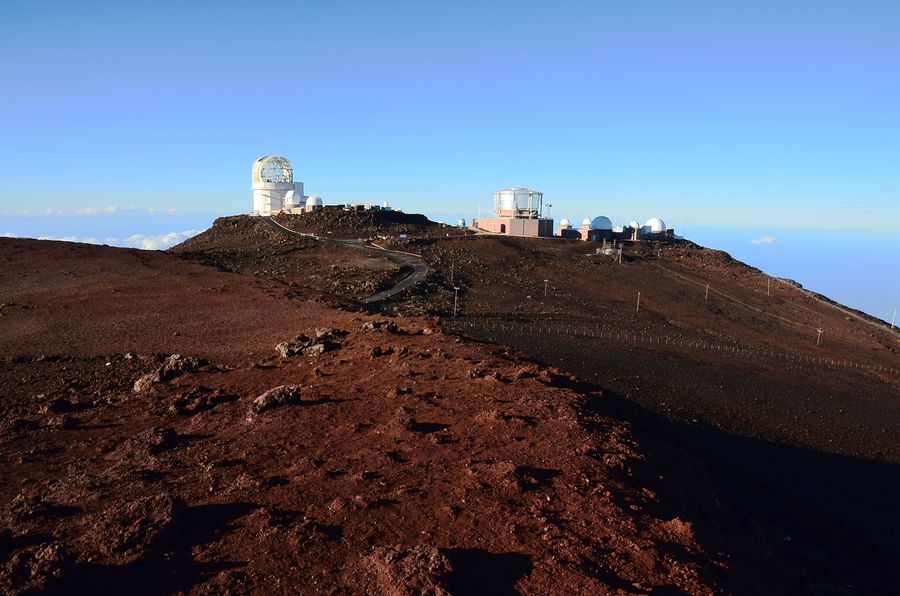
{"points": [[601, 222], [586, 222], [313, 201], [273, 169], [634, 225], [292, 198], [655, 225], [565, 223]]}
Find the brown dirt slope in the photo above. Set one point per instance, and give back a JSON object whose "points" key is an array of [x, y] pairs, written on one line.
{"points": [[249, 245], [398, 460], [337, 223]]}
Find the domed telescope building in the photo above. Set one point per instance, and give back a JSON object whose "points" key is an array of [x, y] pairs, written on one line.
{"points": [[274, 189], [517, 212]]}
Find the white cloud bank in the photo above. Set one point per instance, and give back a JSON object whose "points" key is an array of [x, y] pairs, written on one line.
{"points": [[158, 242], [141, 241], [767, 239]]}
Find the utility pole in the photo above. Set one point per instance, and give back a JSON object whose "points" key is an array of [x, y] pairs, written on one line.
{"points": [[819, 337], [455, 299], [894, 318], [707, 293], [638, 308], [545, 288]]}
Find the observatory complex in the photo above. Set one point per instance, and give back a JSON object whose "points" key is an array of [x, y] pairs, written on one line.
{"points": [[274, 189], [600, 229], [517, 212]]}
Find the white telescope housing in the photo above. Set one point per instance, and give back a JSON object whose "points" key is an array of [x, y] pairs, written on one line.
{"points": [[272, 181]]}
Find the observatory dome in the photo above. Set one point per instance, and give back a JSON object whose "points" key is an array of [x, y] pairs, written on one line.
{"points": [[634, 225], [586, 222], [313, 201], [601, 222], [565, 223], [292, 198], [273, 169], [655, 225]]}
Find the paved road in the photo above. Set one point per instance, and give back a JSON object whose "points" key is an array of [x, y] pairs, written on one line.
{"points": [[419, 268]]}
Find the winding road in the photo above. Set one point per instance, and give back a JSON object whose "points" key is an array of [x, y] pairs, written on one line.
{"points": [[419, 268]]}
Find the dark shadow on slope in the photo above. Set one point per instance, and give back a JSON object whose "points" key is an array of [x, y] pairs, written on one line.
{"points": [[169, 565], [794, 520], [477, 571]]}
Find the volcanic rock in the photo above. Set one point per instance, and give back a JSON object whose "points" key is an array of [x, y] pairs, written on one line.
{"points": [[37, 570], [274, 398], [398, 571]]}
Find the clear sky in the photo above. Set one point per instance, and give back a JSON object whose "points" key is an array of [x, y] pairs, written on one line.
{"points": [[749, 115]]}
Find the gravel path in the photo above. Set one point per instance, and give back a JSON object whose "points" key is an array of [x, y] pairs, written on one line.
{"points": [[419, 268]]}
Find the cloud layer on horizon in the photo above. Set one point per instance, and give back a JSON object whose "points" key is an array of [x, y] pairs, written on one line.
{"points": [[140, 241]]}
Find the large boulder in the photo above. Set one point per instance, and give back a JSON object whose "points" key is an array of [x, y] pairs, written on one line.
{"points": [[274, 398]]}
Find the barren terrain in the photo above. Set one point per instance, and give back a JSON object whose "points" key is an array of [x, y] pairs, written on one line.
{"points": [[142, 442]]}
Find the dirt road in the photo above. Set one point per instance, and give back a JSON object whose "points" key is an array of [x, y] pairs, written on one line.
{"points": [[419, 268]]}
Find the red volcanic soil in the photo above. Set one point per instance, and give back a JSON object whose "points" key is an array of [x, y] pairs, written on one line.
{"points": [[151, 435], [252, 245]]}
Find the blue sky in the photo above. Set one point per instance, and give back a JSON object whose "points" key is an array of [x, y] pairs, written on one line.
{"points": [[759, 117]]}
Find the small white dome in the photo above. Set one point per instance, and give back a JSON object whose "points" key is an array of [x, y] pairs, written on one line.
{"points": [[586, 222], [655, 225], [292, 199], [601, 222], [565, 223], [634, 225], [313, 201]]}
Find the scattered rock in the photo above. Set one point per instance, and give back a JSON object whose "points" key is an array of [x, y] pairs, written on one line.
{"points": [[389, 326], [324, 341], [314, 350], [65, 422], [174, 366], [329, 333], [145, 382], [398, 391], [526, 372], [379, 351], [198, 399], [37, 570], [25, 507], [273, 398], [156, 440], [398, 571], [475, 373], [132, 527]]}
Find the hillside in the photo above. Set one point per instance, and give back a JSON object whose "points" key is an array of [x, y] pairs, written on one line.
{"points": [[409, 459], [413, 458], [735, 373]]}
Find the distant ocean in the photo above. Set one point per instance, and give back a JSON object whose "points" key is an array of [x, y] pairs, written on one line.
{"points": [[859, 268]]}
